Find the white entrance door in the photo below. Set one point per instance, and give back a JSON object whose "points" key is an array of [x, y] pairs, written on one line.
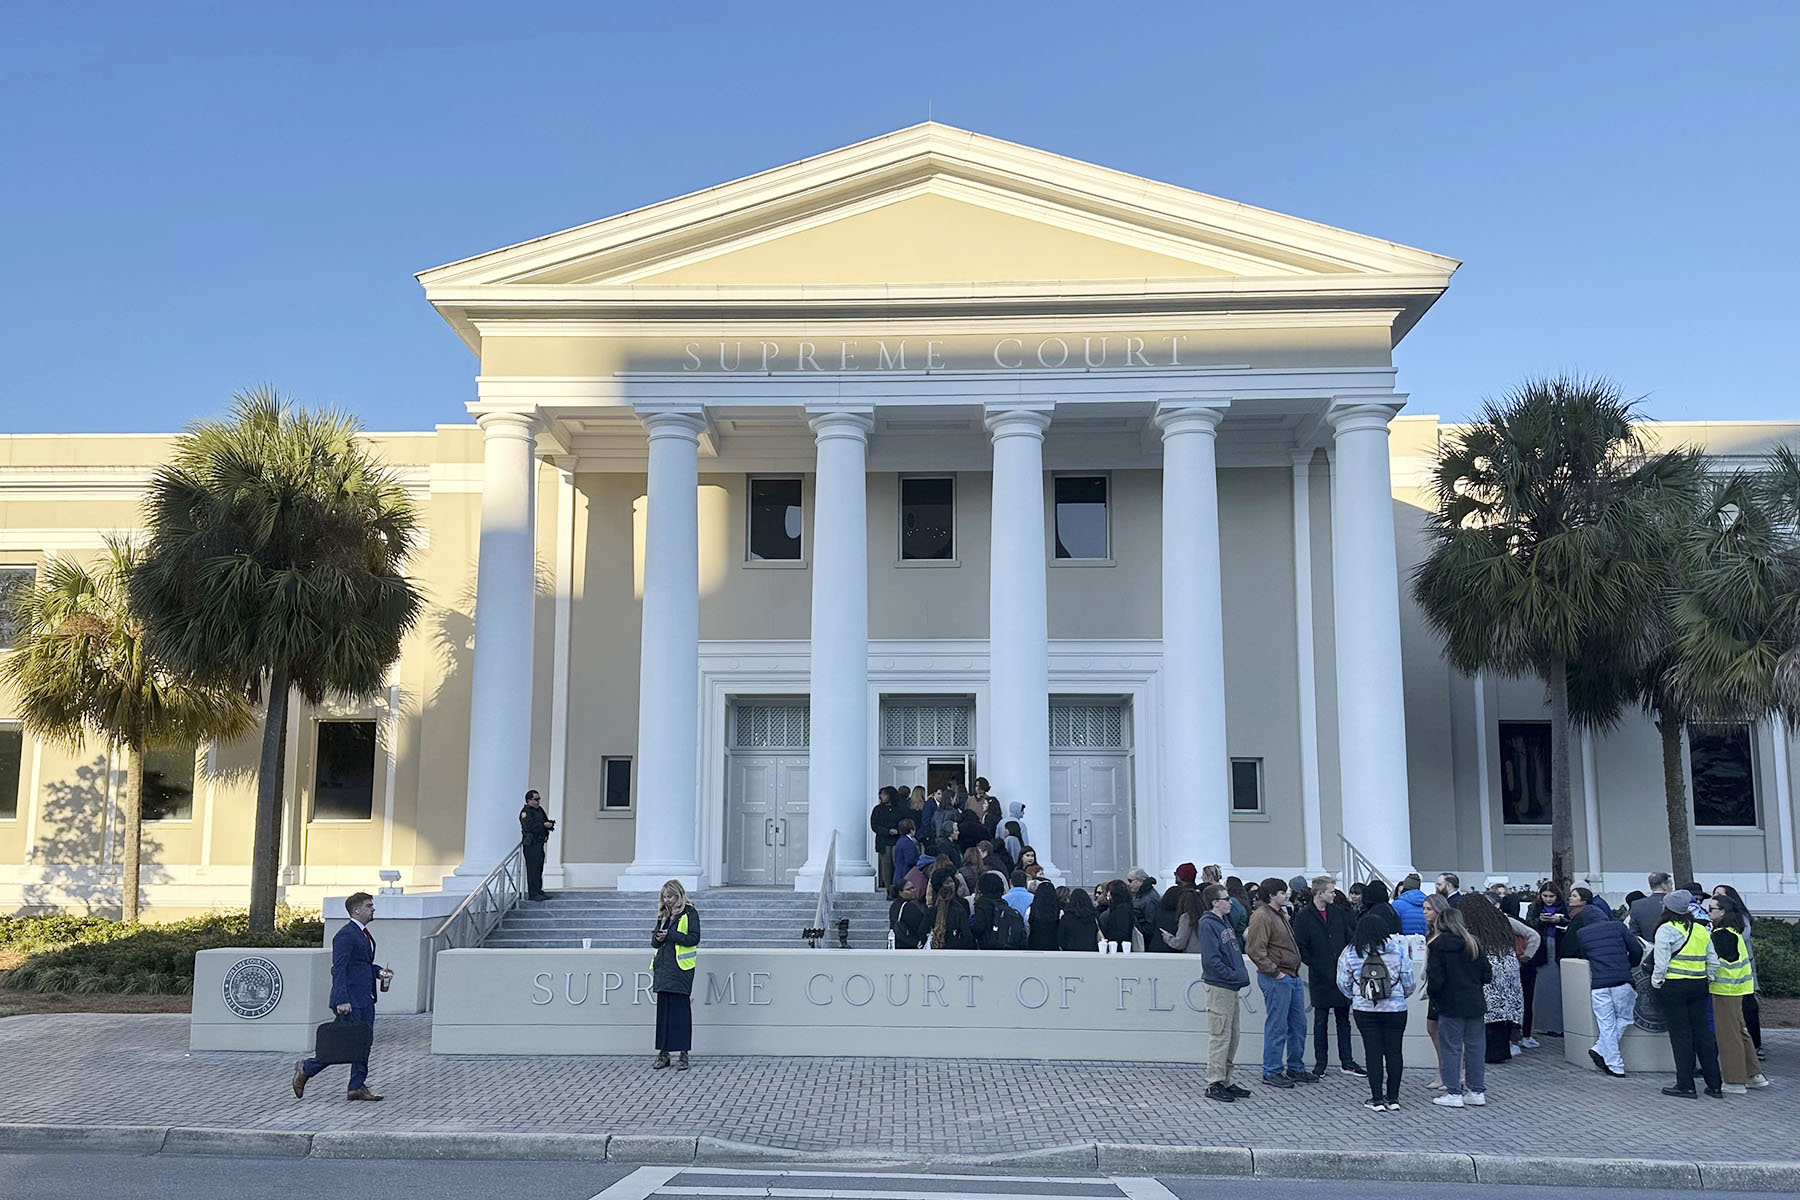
{"points": [[1090, 791], [766, 792]]}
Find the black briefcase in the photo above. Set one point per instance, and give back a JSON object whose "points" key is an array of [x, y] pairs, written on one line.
{"points": [[343, 1040]]}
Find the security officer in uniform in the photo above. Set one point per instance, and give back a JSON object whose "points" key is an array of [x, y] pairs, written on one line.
{"points": [[534, 830]]}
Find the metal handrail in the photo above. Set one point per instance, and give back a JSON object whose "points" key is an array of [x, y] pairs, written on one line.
{"points": [[1358, 867], [827, 886], [481, 910]]}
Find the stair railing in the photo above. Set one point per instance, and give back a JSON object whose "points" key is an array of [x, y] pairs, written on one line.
{"points": [[822, 914], [1358, 867], [481, 910]]}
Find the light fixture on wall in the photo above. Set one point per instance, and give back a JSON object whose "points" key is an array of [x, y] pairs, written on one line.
{"points": [[390, 882]]}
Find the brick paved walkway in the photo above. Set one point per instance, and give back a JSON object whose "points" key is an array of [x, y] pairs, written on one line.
{"points": [[136, 1070]]}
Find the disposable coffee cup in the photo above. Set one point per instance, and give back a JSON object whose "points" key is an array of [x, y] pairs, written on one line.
{"points": [[587, 943]]}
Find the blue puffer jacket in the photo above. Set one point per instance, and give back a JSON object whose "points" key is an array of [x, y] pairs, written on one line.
{"points": [[1411, 907], [1610, 949]]}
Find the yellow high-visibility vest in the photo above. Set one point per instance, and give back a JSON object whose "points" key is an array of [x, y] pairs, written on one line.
{"points": [[1735, 977], [1689, 962], [685, 956]]}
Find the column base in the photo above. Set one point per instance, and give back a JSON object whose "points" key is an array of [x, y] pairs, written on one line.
{"points": [[851, 877], [649, 877], [1790, 884]]}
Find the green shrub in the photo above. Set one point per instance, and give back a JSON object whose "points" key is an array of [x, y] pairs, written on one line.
{"points": [[1777, 945], [105, 956]]}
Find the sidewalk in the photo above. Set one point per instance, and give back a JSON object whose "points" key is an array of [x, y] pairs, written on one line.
{"points": [[115, 1070]]}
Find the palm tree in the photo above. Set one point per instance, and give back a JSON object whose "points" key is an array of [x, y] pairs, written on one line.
{"points": [[1543, 550], [82, 666], [274, 565]]}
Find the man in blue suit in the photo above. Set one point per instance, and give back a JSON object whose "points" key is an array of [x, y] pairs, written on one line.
{"points": [[354, 978]]}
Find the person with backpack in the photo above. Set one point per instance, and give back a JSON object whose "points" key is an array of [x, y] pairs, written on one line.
{"points": [[909, 922], [1376, 972], [997, 924], [950, 928]]}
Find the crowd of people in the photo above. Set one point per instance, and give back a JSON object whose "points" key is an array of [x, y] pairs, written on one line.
{"points": [[962, 875]]}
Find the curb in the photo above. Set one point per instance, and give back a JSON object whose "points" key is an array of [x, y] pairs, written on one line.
{"points": [[1108, 1158]]}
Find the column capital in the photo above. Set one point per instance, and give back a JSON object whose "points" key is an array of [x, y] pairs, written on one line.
{"points": [[1355, 414], [827, 423], [522, 424], [1016, 420], [1190, 414], [685, 423]]}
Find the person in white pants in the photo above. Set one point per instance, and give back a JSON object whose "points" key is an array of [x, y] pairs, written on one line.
{"points": [[1611, 950]]}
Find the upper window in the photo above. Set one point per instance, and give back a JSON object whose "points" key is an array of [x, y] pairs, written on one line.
{"points": [[1081, 527], [12, 759], [927, 518], [775, 520], [615, 775], [1722, 760], [344, 775], [168, 792], [14, 583], [1246, 785], [1525, 772]]}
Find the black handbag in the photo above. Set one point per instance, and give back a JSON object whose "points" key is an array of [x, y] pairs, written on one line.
{"points": [[343, 1040]]}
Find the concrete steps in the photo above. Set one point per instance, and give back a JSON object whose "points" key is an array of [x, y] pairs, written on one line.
{"points": [[741, 918]]}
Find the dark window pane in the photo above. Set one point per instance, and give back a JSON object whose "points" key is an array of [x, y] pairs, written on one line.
{"points": [[168, 793], [1246, 785], [927, 518], [1081, 516], [775, 520], [1525, 772], [14, 583], [344, 782], [12, 757], [1724, 775], [618, 783]]}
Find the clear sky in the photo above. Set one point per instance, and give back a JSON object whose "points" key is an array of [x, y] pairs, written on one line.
{"points": [[200, 197]]}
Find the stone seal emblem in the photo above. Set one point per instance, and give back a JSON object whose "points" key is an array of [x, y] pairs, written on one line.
{"points": [[252, 987]]}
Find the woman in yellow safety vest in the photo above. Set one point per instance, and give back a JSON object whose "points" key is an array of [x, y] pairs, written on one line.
{"points": [[1733, 984], [677, 942], [1685, 964]]}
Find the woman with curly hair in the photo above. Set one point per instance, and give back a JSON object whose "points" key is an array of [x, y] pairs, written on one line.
{"points": [[1503, 992]]}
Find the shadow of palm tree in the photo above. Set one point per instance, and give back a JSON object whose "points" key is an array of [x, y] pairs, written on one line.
{"points": [[69, 853]]}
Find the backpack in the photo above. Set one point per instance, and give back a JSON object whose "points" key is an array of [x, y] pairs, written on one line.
{"points": [[1009, 929], [1374, 982]]}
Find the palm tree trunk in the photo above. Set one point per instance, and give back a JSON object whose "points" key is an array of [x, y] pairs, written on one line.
{"points": [[1562, 813], [265, 852], [1681, 846], [131, 811]]}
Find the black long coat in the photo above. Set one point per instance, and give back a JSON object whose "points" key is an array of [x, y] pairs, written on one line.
{"points": [[1321, 937]]}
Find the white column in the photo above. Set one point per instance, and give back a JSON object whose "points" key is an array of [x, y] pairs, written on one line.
{"points": [[1196, 775], [1784, 800], [556, 793], [500, 679], [1371, 691], [1310, 804], [1590, 801], [1018, 620], [669, 664], [838, 770]]}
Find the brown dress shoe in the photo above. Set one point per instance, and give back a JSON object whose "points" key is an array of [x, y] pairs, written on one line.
{"points": [[300, 1080], [363, 1093]]}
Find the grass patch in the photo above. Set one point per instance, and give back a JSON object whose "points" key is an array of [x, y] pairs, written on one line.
{"points": [[91, 956]]}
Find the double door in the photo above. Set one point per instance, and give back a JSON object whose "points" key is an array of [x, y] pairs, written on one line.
{"points": [[1090, 815], [765, 834]]}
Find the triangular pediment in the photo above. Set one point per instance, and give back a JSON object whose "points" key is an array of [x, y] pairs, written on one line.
{"points": [[930, 205]]}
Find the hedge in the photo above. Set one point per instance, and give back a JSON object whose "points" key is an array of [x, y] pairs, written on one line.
{"points": [[1777, 946], [88, 954]]}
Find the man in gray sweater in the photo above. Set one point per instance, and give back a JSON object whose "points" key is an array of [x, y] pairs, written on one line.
{"points": [[1224, 975]]}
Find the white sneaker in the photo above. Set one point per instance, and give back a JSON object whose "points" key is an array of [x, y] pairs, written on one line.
{"points": [[1529, 1043], [1759, 1080], [1514, 1051], [1450, 1101], [1474, 1099], [1736, 1089]]}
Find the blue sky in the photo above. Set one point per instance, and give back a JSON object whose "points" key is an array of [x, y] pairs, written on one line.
{"points": [[202, 197]]}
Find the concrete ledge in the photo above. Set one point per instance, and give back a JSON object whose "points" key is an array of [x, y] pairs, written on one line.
{"points": [[96, 1139], [239, 1143], [1364, 1164], [1587, 1172], [1118, 1158], [723, 1150], [651, 1148], [471, 1144], [1750, 1177]]}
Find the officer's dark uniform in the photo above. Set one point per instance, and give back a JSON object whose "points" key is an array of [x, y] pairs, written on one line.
{"points": [[534, 830]]}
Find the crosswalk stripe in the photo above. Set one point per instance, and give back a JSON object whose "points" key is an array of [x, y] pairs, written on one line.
{"points": [[729, 1183], [869, 1193]]}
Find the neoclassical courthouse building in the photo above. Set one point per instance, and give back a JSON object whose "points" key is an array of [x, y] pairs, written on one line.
{"points": [[928, 457]]}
